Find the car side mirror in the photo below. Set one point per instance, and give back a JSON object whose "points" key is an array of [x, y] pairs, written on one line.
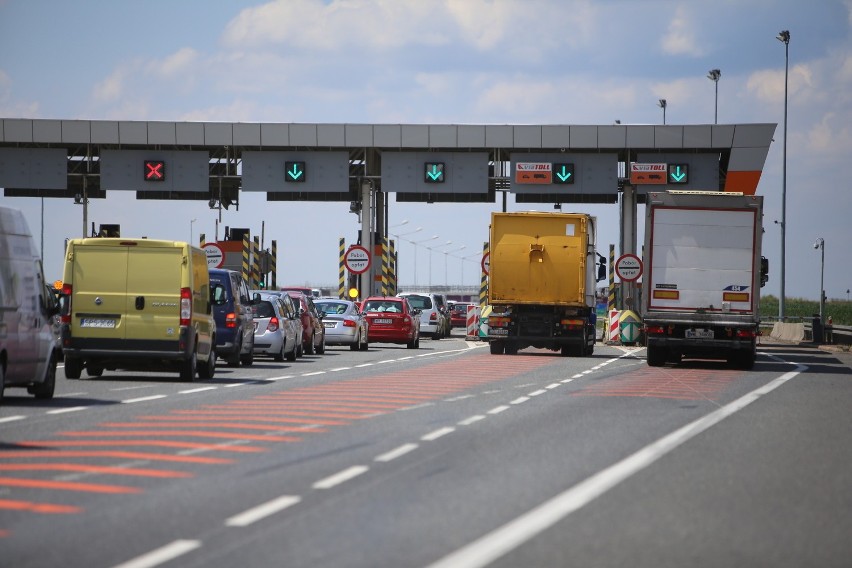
{"points": [[601, 271]]}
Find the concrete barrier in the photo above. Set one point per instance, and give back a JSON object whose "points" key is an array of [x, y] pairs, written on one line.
{"points": [[788, 331]]}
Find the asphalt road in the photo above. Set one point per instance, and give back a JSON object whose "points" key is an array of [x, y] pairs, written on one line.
{"points": [[443, 456]]}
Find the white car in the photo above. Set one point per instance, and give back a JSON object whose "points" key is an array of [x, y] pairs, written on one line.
{"points": [[277, 328], [432, 320]]}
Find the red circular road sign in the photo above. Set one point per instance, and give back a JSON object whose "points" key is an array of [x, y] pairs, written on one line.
{"points": [[486, 263], [357, 259], [215, 255], [628, 267]]}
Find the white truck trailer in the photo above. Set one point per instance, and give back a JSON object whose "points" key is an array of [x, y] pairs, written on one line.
{"points": [[704, 271]]}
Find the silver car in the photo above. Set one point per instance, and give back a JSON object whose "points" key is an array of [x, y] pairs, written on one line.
{"points": [[278, 330], [344, 324]]}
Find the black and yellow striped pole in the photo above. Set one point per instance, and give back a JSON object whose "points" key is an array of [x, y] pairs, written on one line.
{"points": [[202, 240], [483, 284], [341, 269], [611, 302], [246, 266], [385, 267], [392, 271], [273, 263], [255, 264]]}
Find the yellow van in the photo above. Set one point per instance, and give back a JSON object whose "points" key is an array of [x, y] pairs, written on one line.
{"points": [[139, 305]]}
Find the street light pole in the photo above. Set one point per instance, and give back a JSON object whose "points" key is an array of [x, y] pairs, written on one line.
{"points": [[430, 261], [446, 256], [784, 37], [190, 230], [415, 243], [820, 244], [714, 75], [662, 104]]}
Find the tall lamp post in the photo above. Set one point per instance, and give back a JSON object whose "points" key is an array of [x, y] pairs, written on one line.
{"points": [[415, 243], [430, 260], [820, 244], [190, 230], [784, 37], [662, 104], [714, 75], [398, 238], [447, 253]]}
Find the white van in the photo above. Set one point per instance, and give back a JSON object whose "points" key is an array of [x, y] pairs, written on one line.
{"points": [[29, 349]]}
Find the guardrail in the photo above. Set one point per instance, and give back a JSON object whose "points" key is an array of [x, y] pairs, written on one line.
{"points": [[835, 334]]}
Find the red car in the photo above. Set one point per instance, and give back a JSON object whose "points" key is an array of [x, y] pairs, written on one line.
{"points": [[458, 314], [313, 332], [391, 320]]}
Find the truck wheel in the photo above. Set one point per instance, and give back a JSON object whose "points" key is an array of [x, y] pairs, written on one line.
{"points": [[511, 348], [234, 359], [497, 347], [742, 360], [189, 368], [94, 370], [73, 368], [656, 356], [207, 370]]}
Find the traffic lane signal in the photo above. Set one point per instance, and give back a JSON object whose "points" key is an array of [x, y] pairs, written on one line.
{"points": [[434, 172], [678, 173], [563, 173], [295, 172], [155, 170]]}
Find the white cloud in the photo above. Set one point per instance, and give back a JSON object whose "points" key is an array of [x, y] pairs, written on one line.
{"points": [[680, 38], [179, 63], [112, 87]]}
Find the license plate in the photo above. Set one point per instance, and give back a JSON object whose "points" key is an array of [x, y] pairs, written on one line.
{"points": [[382, 320], [699, 334], [101, 323], [329, 324], [498, 331]]}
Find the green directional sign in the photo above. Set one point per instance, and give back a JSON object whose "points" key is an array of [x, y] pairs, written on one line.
{"points": [[678, 173], [434, 172], [563, 173], [294, 172]]}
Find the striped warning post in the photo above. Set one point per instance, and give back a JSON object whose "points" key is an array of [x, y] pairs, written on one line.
{"points": [[483, 284], [472, 322], [246, 257], [392, 271], [273, 264], [611, 303], [255, 264], [341, 269], [614, 333], [202, 240], [385, 267]]}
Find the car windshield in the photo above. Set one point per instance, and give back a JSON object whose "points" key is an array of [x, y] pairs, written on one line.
{"points": [[332, 307], [383, 306], [264, 310], [420, 302]]}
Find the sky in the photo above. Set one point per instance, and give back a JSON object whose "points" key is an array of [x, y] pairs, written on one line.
{"points": [[443, 62]]}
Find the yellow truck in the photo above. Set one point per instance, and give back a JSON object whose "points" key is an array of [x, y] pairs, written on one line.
{"points": [[541, 284], [136, 304]]}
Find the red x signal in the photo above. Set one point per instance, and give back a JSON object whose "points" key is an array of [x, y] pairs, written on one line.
{"points": [[155, 170]]}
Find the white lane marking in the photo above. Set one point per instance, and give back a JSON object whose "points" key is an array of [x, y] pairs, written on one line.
{"points": [[69, 409], [143, 399], [341, 477], [520, 400], [363, 365], [70, 394], [471, 420], [314, 373], [132, 388], [201, 389], [586, 372], [577, 376], [406, 358], [161, 555], [457, 398], [566, 381], [339, 369], [416, 406], [498, 409], [552, 386], [497, 543], [262, 511], [395, 453], [537, 392], [282, 377], [11, 418], [438, 433]]}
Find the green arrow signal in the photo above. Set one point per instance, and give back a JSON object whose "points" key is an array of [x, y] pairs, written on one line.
{"points": [[564, 174], [677, 175], [434, 174], [295, 173]]}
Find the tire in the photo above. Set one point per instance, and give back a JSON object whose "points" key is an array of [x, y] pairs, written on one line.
{"points": [[279, 357], [414, 343], [73, 368], [657, 356], [247, 360], [189, 368], [206, 371], [320, 349], [511, 348], [2, 383], [309, 346], [357, 344], [497, 347], [291, 356], [364, 346], [298, 349], [94, 370], [233, 360]]}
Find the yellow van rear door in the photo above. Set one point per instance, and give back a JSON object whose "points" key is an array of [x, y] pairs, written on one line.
{"points": [[153, 293], [99, 297]]}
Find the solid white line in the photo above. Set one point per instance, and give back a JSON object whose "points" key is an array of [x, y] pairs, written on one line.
{"points": [[11, 418], [339, 369], [438, 433], [202, 389], [143, 399], [538, 392], [363, 365], [520, 400], [341, 477], [262, 511], [282, 377], [471, 420], [232, 385], [69, 409], [393, 454], [495, 544], [498, 409], [161, 555], [314, 373], [406, 358]]}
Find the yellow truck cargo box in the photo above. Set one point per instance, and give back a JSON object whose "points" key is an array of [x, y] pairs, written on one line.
{"points": [[538, 258]]}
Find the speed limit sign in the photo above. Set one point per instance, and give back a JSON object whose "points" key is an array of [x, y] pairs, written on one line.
{"points": [[357, 259]]}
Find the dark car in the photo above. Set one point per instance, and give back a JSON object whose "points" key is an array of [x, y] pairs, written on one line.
{"points": [[233, 316], [313, 332], [392, 320]]}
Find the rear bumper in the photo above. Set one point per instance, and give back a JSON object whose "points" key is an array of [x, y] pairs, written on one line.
{"points": [[701, 345]]}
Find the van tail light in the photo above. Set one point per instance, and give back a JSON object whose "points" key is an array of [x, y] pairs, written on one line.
{"points": [[185, 306], [65, 314], [231, 320], [273, 324], [348, 323], [434, 316]]}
